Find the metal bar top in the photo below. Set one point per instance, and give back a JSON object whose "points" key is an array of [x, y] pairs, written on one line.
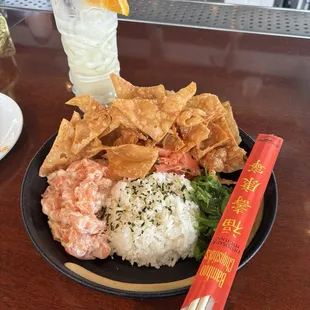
{"points": [[204, 15]]}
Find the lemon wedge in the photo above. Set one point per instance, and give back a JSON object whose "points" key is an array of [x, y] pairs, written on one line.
{"points": [[118, 6]]}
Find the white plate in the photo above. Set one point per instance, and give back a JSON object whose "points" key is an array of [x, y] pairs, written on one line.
{"points": [[11, 124]]}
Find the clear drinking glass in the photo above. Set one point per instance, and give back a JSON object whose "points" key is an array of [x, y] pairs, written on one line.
{"points": [[88, 35]]}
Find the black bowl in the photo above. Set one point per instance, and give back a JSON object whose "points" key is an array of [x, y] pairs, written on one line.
{"points": [[115, 276]]}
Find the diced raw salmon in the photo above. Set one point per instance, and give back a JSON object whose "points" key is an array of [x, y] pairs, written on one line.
{"points": [[71, 201], [177, 162]]}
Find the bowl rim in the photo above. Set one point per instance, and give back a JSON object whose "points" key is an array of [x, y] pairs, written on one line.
{"points": [[250, 252]]}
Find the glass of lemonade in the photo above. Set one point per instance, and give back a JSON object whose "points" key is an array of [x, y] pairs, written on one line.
{"points": [[88, 35]]}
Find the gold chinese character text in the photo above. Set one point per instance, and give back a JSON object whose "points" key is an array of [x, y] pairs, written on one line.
{"points": [[249, 185], [240, 205], [257, 167], [231, 226]]}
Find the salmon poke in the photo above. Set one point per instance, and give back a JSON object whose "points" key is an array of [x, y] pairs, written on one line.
{"points": [[141, 178]]}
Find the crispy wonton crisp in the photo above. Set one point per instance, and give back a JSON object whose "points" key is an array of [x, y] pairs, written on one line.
{"points": [[86, 103], [208, 103], [126, 90], [191, 117], [172, 140], [231, 122], [87, 129], [130, 136], [140, 120], [131, 161], [176, 102], [193, 135], [147, 115], [214, 160], [75, 118], [216, 138], [227, 157], [61, 156]]}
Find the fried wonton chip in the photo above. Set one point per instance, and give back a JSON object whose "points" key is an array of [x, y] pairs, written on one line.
{"points": [[87, 104], [87, 130], [221, 122], [176, 102], [192, 124], [75, 118], [191, 117], [130, 136], [60, 152], [92, 149], [169, 92], [110, 138], [147, 116], [223, 159], [150, 142], [229, 117], [126, 90], [208, 103], [234, 158], [131, 161], [140, 119], [193, 135], [235, 154], [216, 138], [172, 140], [214, 160], [120, 122], [97, 121], [61, 156], [119, 118]]}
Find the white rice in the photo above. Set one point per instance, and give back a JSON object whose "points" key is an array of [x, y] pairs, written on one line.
{"points": [[152, 221]]}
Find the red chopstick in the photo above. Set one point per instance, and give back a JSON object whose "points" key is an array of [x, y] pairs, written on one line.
{"points": [[218, 268]]}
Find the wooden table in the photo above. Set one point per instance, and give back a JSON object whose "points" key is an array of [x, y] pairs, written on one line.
{"points": [[267, 80]]}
